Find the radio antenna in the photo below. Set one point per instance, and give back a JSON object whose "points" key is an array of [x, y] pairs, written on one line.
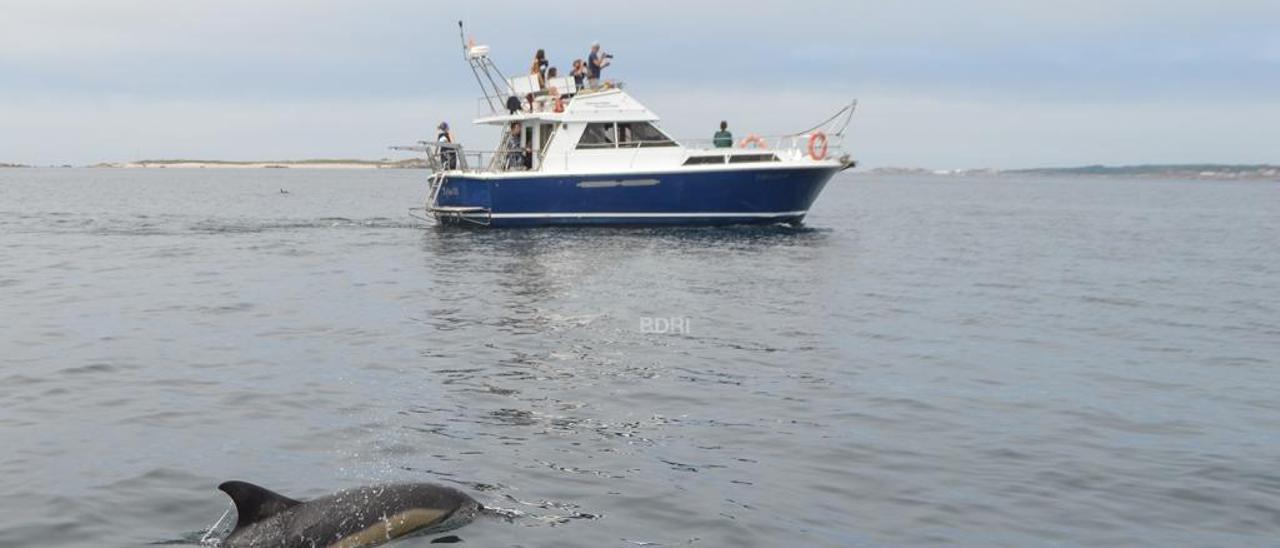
{"points": [[463, 37]]}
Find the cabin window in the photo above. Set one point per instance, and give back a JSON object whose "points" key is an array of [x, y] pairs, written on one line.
{"points": [[746, 158], [642, 134], [697, 160], [598, 135]]}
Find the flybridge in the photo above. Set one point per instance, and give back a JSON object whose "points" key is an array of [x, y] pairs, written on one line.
{"points": [[523, 96], [570, 155]]}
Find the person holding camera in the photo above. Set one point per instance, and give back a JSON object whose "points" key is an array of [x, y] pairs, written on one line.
{"points": [[596, 62]]}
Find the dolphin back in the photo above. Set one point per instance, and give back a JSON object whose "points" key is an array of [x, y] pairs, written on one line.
{"points": [[364, 516]]}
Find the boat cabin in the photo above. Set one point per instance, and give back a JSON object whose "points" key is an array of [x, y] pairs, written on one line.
{"points": [[587, 130]]}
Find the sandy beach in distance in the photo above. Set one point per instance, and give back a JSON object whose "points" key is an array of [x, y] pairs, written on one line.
{"points": [[301, 164]]}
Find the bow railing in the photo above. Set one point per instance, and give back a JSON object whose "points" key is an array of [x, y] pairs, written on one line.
{"points": [[455, 157]]}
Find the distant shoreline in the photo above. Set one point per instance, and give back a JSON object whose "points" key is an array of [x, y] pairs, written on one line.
{"points": [[1169, 171], [412, 163]]}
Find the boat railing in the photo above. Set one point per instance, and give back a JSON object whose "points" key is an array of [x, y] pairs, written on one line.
{"points": [[786, 146], [497, 106], [454, 157], [537, 100], [823, 140]]}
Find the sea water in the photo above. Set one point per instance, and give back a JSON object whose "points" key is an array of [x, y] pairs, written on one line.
{"points": [[968, 361]]}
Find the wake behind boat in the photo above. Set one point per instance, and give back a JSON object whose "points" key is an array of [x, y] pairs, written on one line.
{"points": [[596, 155]]}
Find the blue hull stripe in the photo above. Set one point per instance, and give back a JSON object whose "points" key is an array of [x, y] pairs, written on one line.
{"points": [[681, 215]]}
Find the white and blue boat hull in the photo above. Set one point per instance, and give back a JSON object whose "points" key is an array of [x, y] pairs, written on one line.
{"points": [[703, 197]]}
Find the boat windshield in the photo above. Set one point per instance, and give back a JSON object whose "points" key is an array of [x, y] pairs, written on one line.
{"points": [[598, 135], [642, 134], [623, 135]]}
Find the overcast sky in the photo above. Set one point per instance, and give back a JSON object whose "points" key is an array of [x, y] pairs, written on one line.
{"points": [[984, 83]]}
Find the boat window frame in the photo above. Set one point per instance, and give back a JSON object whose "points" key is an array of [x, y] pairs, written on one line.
{"points": [[586, 130], [753, 158], [665, 141], [705, 160]]}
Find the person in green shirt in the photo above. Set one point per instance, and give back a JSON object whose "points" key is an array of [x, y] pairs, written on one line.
{"points": [[723, 139]]}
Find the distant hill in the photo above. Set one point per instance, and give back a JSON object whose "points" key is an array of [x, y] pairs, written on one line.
{"points": [[4, 165]]}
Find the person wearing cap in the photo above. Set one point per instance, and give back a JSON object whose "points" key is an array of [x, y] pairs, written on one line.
{"points": [[448, 151], [596, 62]]}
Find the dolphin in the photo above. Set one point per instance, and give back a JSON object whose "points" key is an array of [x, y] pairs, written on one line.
{"points": [[363, 516]]}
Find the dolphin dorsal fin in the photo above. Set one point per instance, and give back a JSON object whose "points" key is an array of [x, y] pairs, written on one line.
{"points": [[253, 503]]}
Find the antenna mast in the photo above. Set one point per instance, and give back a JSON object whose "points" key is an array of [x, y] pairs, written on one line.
{"points": [[477, 57]]}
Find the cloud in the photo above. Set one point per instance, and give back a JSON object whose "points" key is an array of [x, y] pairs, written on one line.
{"points": [[1003, 82], [293, 48]]}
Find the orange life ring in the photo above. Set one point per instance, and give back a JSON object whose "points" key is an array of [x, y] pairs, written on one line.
{"points": [[754, 139], [818, 145]]}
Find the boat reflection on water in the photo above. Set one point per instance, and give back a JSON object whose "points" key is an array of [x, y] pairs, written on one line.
{"points": [[532, 281]]}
